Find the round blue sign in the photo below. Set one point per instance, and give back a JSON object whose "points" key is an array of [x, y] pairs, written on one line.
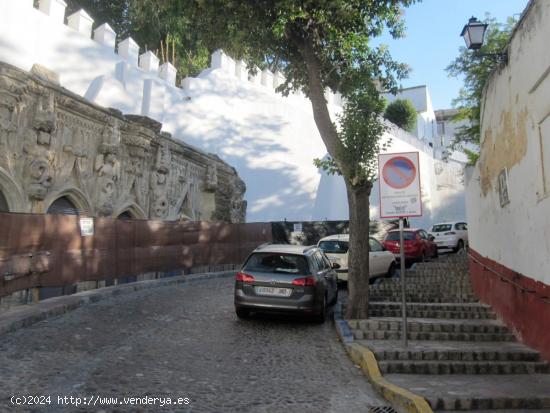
{"points": [[399, 172]]}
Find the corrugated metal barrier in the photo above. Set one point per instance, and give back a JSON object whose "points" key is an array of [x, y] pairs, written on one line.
{"points": [[39, 250]]}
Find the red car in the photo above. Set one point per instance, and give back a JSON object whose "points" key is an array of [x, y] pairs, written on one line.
{"points": [[418, 244]]}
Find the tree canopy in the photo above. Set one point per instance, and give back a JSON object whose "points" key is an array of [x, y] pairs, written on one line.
{"points": [[403, 113], [475, 71], [317, 45]]}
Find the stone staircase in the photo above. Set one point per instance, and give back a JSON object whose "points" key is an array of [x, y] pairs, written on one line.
{"points": [[459, 356]]}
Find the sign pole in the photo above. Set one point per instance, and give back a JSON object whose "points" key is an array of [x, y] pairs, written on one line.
{"points": [[402, 277], [400, 197]]}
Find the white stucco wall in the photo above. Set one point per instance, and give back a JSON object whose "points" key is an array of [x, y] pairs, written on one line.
{"points": [[269, 139], [443, 195], [516, 135]]}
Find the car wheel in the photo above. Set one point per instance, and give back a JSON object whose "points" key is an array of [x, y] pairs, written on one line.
{"points": [[459, 246], [436, 253], [391, 270], [322, 316], [242, 312], [423, 257]]}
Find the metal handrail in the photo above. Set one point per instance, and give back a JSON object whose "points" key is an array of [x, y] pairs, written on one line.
{"points": [[503, 278]]}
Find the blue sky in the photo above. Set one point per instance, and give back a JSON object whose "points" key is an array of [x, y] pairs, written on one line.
{"points": [[432, 40]]}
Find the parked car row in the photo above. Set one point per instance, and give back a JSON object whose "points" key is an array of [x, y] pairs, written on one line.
{"points": [[418, 244], [298, 279]]}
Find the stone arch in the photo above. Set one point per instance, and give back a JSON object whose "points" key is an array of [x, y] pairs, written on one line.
{"points": [[13, 193], [125, 215], [134, 210], [75, 196], [63, 205], [3, 203], [184, 208]]}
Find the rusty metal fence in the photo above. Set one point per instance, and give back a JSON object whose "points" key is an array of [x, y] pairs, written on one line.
{"points": [[39, 250]]}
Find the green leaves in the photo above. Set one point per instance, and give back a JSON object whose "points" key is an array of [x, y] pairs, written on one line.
{"points": [[403, 113], [361, 128], [476, 70]]}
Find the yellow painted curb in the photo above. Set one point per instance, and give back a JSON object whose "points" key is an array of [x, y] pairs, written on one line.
{"points": [[399, 397]]}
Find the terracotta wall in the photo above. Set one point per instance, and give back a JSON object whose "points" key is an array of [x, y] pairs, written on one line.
{"points": [[521, 302], [48, 250]]}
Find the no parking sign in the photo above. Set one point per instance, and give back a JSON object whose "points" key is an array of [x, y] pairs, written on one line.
{"points": [[399, 183]]}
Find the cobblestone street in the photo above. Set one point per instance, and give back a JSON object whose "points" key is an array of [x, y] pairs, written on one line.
{"points": [[182, 341]]}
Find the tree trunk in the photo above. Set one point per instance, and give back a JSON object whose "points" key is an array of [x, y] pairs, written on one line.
{"points": [[358, 253], [358, 195]]}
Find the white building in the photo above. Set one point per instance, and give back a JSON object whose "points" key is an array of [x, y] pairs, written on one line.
{"points": [[270, 140], [441, 171], [508, 191], [420, 97], [447, 128]]}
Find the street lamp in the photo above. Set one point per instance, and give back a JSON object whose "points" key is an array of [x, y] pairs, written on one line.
{"points": [[474, 35]]}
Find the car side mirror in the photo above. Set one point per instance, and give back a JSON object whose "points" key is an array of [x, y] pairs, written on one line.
{"points": [[431, 237], [335, 265]]}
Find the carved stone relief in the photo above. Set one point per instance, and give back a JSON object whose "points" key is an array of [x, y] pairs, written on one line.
{"points": [[53, 142], [211, 180], [37, 138]]}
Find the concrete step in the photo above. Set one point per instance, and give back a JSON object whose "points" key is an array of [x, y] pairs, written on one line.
{"points": [[426, 278], [451, 351], [463, 367], [497, 411], [521, 392], [429, 325], [396, 335], [425, 298], [470, 315], [431, 292], [445, 286], [477, 307]]}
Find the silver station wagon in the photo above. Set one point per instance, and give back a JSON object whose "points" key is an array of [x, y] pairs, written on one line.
{"points": [[286, 278]]}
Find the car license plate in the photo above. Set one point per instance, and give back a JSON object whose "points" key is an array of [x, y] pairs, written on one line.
{"points": [[273, 291]]}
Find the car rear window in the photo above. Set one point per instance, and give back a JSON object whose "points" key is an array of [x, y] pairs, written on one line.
{"points": [[394, 236], [441, 227], [334, 247], [273, 262]]}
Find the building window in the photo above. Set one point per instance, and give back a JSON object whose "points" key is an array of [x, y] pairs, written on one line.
{"points": [[440, 128]]}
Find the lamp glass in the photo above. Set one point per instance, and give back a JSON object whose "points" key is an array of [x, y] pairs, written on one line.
{"points": [[476, 33]]}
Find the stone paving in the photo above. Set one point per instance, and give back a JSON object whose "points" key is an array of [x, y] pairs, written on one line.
{"points": [[182, 341], [459, 357]]}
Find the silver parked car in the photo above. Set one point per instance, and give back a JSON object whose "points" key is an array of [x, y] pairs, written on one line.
{"points": [[286, 278]]}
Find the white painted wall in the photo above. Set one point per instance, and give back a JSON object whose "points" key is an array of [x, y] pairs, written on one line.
{"points": [[516, 134], [441, 186], [269, 139]]}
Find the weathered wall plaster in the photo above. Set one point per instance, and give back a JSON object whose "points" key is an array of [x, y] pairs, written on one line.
{"points": [[514, 139]]}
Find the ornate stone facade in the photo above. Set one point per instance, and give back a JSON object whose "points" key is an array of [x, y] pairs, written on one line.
{"points": [[55, 144]]}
